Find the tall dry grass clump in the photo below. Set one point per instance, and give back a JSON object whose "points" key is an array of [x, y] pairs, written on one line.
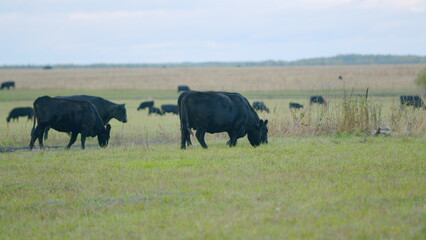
{"points": [[358, 114], [349, 115], [408, 120]]}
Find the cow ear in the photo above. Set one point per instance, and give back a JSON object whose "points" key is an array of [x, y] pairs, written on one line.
{"points": [[266, 122], [108, 128], [261, 122]]}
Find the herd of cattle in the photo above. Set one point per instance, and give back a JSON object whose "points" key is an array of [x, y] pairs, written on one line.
{"points": [[210, 112], [204, 112]]}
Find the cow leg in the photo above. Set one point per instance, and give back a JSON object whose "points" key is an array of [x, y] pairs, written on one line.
{"points": [[188, 140], [200, 136], [40, 139], [36, 134], [72, 139], [46, 131], [235, 133], [232, 140], [83, 139], [185, 138], [33, 138]]}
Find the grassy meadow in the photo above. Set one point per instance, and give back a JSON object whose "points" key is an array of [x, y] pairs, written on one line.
{"points": [[310, 188], [320, 177]]}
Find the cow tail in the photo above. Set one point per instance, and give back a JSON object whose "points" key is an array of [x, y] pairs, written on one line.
{"points": [[188, 128], [185, 125], [184, 118], [34, 121]]}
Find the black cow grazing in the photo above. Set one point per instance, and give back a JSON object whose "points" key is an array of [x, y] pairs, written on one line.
{"points": [[215, 112], [295, 105], [264, 134], [7, 85], [414, 101], [169, 108], [68, 116], [20, 112], [106, 109], [155, 111], [260, 106], [147, 104], [183, 88], [317, 99]]}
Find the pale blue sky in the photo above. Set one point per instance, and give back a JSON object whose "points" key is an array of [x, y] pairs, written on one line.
{"points": [[158, 31]]}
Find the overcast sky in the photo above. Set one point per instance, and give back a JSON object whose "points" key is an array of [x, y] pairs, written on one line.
{"points": [[159, 31]]}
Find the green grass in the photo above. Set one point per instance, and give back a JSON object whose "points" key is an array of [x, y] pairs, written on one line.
{"points": [[142, 185], [311, 188]]}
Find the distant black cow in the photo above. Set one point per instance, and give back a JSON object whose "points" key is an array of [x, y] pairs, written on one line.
{"points": [[47, 67], [215, 112], [20, 112], [7, 85], [183, 88], [169, 108], [260, 106], [147, 104], [106, 109], [414, 101], [295, 105], [317, 99], [155, 111], [68, 116]]}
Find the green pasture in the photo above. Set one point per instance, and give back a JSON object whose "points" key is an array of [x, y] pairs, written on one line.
{"points": [[301, 185], [294, 187]]}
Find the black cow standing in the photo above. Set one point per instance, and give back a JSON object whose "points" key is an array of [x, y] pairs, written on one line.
{"points": [[260, 106], [147, 104], [7, 85], [68, 116], [215, 112], [155, 111], [414, 101], [295, 105], [20, 112], [169, 108], [264, 134], [317, 99], [106, 109], [183, 88]]}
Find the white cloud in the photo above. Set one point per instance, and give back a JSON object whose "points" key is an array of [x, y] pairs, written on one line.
{"points": [[119, 15], [397, 5], [205, 44]]}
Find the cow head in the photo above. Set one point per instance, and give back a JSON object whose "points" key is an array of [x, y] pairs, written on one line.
{"points": [[103, 136], [120, 113], [259, 134], [264, 131]]}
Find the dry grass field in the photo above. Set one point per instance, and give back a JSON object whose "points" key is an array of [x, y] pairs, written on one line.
{"points": [[219, 78]]}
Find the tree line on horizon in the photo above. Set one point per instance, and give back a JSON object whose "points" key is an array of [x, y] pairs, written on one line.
{"points": [[347, 59]]}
